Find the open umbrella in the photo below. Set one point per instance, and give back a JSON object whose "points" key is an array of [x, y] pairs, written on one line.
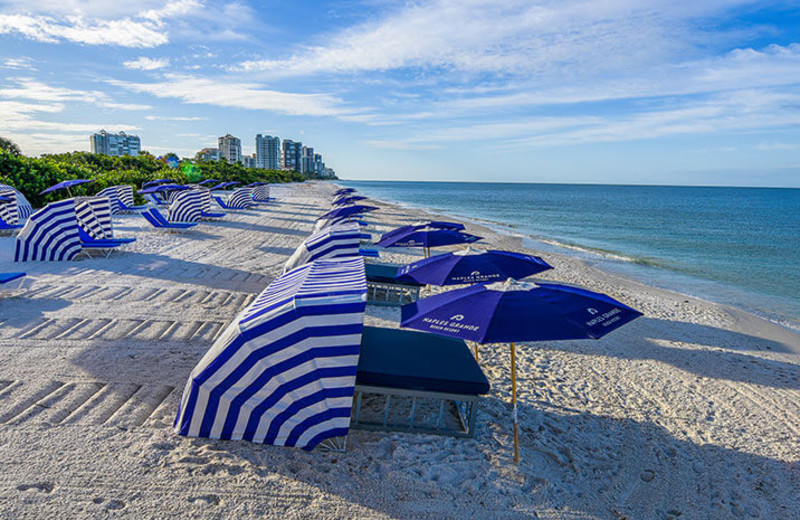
{"points": [[343, 201], [347, 211], [344, 191], [427, 238], [436, 224], [207, 181], [156, 182], [66, 185], [511, 311], [254, 184], [470, 266]]}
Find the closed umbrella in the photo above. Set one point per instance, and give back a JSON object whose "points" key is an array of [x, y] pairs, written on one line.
{"points": [[511, 311], [470, 266]]}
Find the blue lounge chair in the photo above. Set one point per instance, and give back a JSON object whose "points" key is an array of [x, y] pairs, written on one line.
{"points": [[211, 215], [383, 288], [133, 209], [4, 226], [10, 277], [403, 364], [157, 220], [371, 253], [221, 203], [107, 245]]}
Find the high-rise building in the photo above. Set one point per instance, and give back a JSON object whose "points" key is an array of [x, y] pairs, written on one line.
{"points": [[249, 161], [230, 148], [208, 154], [307, 160], [115, 144], [291, 155], [268, 152], [318, 164]]}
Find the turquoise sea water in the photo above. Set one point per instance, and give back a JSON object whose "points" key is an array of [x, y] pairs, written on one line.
{"points": [[739, 246]]}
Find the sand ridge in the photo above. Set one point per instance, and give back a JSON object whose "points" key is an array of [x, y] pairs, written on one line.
{"points": [[692, 411]]}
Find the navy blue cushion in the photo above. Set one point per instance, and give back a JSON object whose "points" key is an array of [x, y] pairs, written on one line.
{"points": [[412, 360], [385, 273]]}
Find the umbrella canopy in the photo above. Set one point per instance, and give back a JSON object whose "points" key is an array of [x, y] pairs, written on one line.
{"points": [[347, 211], [436, 224], [156, 182], [254, 184], [207, 181], [66, 185], [471, 266], [343, 201], [426, 237], [224, 185], [510, 311], [344, 191], [165, 187], [283, 372]]}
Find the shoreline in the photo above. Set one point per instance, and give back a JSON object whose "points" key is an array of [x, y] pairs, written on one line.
{"points": [[651, 275], [688, 412]]}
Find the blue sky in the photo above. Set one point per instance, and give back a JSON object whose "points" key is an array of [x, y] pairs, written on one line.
{"points": [[598, 91]]}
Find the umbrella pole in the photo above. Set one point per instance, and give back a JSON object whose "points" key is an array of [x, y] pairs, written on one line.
{"points": [[69, 193], [514, 400], [476, 352]]}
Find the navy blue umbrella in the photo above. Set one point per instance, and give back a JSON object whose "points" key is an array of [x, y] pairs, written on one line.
{"points": [[224, 185], [165, 188], [66, 185], [436, 224], [471, 266], [253, 185], [344, 191], [427, 238], [347, 211], [207, 181], [156, 182], [343, 201], [505, 312]]}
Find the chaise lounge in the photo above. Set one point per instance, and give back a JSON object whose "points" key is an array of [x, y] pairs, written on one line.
{"points": [[158, 221], [384, 289], [416, 382]]}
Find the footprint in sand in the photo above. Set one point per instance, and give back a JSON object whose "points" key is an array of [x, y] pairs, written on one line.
{"points": [[115, 504], [46, 487], [211, 500]]}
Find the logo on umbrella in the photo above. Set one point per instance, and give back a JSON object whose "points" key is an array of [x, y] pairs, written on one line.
{"points": [[592, 311], [457, 317], [475, 273]]}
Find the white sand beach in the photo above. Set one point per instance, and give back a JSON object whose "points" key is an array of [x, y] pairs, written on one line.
{"points": [[690, 412]]}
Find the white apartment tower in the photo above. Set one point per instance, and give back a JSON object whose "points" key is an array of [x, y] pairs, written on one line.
{"points": [[116, 145], [268, 152], [230, 148]]}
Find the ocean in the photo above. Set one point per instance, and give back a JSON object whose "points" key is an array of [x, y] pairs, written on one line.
{"points": [[737, 246]]}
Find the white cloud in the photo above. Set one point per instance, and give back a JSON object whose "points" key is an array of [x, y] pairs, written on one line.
{"points": [[143, 63], [777, 146], [230, 93], [165, 118], [123, 33], [33, 90], [549, 37], [21, 63]]}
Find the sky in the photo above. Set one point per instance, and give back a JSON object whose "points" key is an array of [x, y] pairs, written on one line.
{"points": [[596, 91]]}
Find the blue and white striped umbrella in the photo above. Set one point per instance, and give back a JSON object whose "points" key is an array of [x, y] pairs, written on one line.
{"points": [[94, 216], [112, 192], [331, 242], [283, 372], [51, 234], [18, 209], [186, 206]]}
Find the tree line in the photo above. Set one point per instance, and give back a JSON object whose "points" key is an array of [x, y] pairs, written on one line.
{"points": [[31, 175]]}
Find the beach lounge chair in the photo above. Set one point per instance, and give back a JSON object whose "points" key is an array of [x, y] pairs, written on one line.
{"points": [[220, 202], [106, 245], [416, 382], [210, 215], [149, 197], [158, 221], [6, 278], [370, 253], [8, 227], [132, 209], [384, 289]]}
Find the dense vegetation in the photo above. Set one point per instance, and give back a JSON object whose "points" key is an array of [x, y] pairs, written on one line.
{"points": [[32, 175]]}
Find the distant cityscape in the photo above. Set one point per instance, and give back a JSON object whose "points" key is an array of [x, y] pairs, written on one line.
{"points": [[271, 153]]}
